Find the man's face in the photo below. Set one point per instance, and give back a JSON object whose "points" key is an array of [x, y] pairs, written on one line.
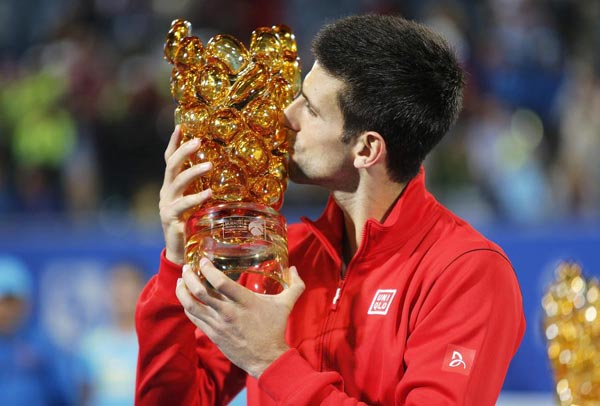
{"points": [[317, 154]]}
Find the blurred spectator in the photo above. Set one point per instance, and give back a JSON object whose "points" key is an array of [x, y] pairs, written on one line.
{"points": [[33, 371], [109, 352], [576, 171], [503, 156], [42, 134]]}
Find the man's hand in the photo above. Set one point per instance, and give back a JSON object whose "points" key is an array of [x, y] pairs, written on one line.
{"points": [[248, 327], [173, 204]]}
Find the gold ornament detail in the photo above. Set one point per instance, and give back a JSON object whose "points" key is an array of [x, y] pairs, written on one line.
{"points": [[232, 99], [572, 331]]}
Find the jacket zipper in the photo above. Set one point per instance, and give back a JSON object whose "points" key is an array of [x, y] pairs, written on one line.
{"points": [[326, 361], [338, 292], [331, 317], [336, 259], [325, 335]]}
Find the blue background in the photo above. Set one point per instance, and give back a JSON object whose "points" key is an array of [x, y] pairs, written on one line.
{"points": [[69, 262]]}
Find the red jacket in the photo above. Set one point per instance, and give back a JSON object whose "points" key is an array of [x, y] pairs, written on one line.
{"points": [[429, 313]]}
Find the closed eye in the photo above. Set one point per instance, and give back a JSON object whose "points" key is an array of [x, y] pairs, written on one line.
{"points": [[308, 105], [310, 109]]}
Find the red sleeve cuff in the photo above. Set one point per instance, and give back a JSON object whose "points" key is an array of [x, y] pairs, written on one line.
{"points": [[292, 378], [168, 273]]}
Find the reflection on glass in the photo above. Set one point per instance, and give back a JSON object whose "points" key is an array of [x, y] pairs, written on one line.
{"points": [[231, 52]]}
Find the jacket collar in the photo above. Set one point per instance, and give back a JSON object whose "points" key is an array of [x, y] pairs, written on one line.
{"points": [[411, 217]]}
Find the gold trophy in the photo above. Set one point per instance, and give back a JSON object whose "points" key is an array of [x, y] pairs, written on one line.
{"points": [[232, 99], [572, 329]]}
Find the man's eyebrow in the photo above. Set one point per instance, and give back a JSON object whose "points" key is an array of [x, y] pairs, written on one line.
{"points": [[308, 100]]}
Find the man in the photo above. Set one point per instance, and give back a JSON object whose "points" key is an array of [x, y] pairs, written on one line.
{"points": [[392, 299]]}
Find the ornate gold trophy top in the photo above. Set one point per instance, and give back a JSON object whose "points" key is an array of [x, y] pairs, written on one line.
{"points": [[572, 329], [232, 99]]}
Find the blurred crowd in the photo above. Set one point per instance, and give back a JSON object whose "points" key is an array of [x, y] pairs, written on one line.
{"points": [[85, 108], [95, 368]]}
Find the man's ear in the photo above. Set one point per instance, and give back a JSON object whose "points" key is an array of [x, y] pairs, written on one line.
{"points": [[370, 149]]}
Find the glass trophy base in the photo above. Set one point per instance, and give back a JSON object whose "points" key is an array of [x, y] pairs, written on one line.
{"points": [[246, 241]]}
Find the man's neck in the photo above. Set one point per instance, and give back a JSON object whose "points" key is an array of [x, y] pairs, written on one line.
{"points": [[358, 207]]}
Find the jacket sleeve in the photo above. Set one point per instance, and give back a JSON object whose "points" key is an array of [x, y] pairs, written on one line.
{"points": [[465, 331], [177, 363]]}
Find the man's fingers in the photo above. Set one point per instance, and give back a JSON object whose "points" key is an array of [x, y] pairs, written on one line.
{"points": [[183, 204], [189, 201], [183, 180], [173, 142], [177, 158], [296, 285], [201, 324], [199, 290], [193, 306], [222, 283]]}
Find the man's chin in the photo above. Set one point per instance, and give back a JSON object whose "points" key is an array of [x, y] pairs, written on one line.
{"points": [[296, 174], [299, 180]]}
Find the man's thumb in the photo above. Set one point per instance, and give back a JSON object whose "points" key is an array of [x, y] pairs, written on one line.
{"points": [[295, 284]]}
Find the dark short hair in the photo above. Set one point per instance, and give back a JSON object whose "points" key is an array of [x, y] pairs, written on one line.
{"points": [[401, 80]]}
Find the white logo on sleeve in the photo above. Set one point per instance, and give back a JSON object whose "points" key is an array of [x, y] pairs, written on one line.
{"points": [[382, 301], [457, 360]]}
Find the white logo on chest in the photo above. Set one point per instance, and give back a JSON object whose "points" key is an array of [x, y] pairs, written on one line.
{"points": [[382, 301]]}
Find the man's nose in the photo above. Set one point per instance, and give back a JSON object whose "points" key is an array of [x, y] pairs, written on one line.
{"points": [[288, 118]]}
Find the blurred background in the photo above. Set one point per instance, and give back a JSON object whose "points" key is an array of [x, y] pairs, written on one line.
{"points": [[85, 115]]}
